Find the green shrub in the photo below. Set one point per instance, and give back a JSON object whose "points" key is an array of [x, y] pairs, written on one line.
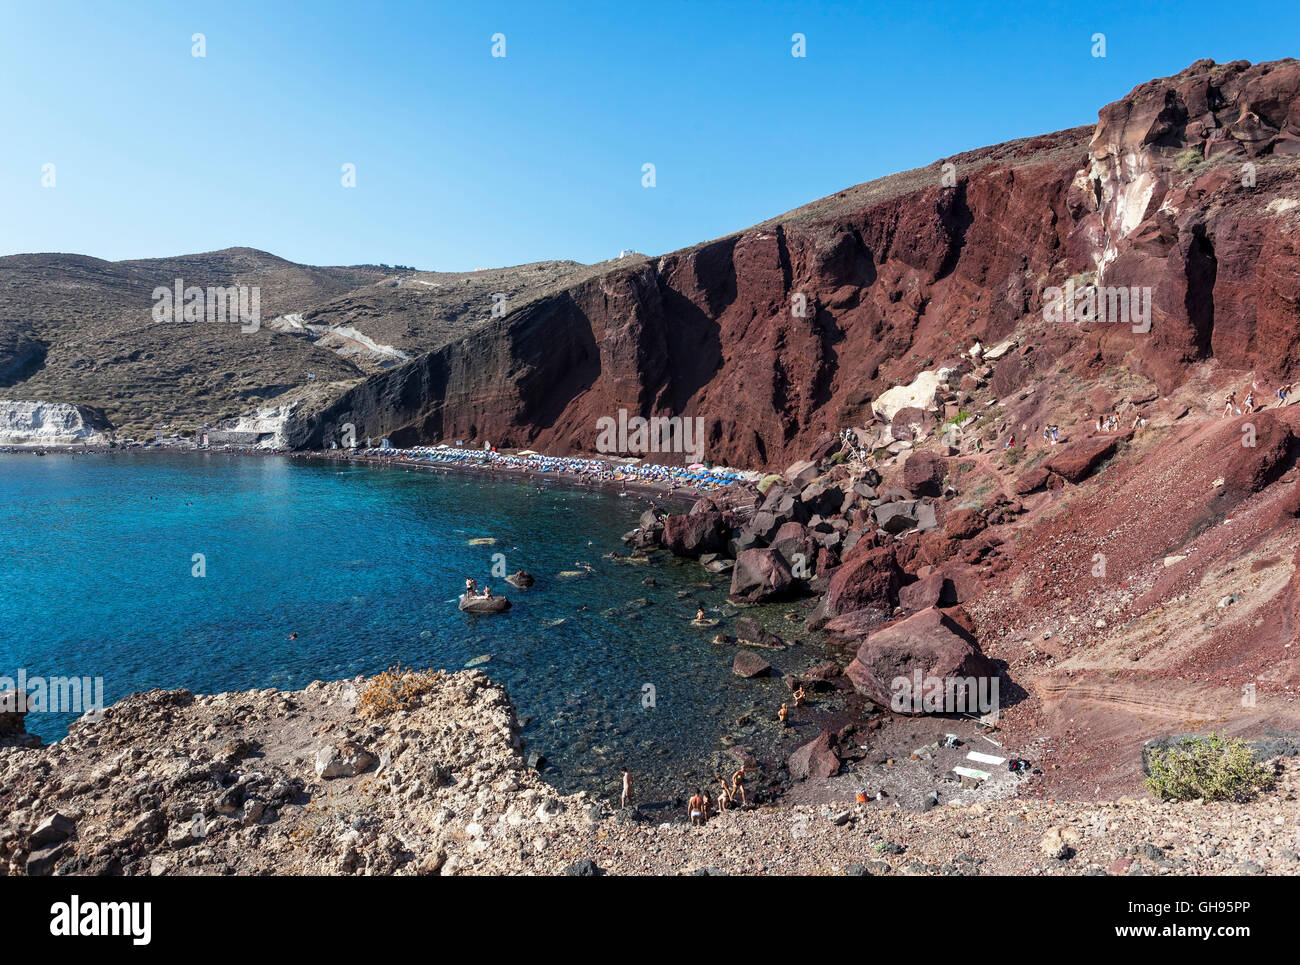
{"points": [[1216, 768], [1186, 160]]}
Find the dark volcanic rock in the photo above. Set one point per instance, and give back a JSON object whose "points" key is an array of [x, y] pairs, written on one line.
{"points": [[911, 422], [931, 643], [796, 547], [896, 517], [816, 759], [870, 578], [1032, 480], [749, 631], [758, 531], [1078, 460], [934, 590], [801, 473], [822, 498], [858, 623], [694, 534], [923, 474], [747, 663], [760, 574]]}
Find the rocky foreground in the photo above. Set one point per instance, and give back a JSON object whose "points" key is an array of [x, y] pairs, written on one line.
{"points": [[425, 774]]}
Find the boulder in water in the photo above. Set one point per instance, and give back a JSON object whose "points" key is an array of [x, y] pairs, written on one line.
{"points": [[749, 664], [484, 604]]}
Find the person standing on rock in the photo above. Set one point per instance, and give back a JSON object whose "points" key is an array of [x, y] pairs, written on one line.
{"points": [[627, 788], [1229, 402], [724, 796], [738, 785]]}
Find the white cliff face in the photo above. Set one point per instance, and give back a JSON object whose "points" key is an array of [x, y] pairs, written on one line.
{"points": [[268, 422], [24, 423]]}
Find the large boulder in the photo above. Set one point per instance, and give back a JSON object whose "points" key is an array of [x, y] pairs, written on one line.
{"points": [[911, 423], [963, 524], [760, 574], [896, 517], [796, 547], [747, 663], [934, 590], [825, 446], [923, 474], [816, 759], [1077, 461], [922, 393], [901, 515], [760, 528], [870, 578], [1032, 480], [857, 623], [930, 648], [752, 633], [1252, 458], [693, 534], [784, 504], [801, 473], [823, 497]]}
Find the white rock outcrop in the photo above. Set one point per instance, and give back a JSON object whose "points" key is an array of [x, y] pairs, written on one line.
{"points": [[922, 393], [32, 423]]}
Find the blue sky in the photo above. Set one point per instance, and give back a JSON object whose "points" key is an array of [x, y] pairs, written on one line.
{"points": [[464, 160]]}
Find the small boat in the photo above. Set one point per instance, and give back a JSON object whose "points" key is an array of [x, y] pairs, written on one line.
{"points": [[484, 604]]}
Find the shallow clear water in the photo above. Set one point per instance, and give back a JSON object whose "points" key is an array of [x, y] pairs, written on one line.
{"points": [[365, 565]]}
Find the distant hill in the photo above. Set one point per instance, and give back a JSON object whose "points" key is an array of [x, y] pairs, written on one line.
{"points": [[80, 329]]}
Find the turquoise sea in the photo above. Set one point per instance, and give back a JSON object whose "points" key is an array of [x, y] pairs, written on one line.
{"points": [[96, 580]]}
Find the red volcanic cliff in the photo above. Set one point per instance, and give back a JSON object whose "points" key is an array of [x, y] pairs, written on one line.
{"points": [[897, 276]]}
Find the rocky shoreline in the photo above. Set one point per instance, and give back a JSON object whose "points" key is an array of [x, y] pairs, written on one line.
{"points": [[425, 774]]}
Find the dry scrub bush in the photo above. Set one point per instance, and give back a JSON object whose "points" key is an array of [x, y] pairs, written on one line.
{"points": [[396, 689]]}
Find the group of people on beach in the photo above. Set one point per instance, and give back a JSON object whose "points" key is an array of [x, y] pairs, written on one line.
{"points": [[701, 805]]}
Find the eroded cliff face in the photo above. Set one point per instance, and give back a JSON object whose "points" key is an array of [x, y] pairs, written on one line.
{"points": [[1191, 190], [30, 423], [1154, 197], [771, 336]]}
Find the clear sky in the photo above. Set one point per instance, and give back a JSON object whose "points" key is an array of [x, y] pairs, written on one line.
{"points": [[466, 160]]}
